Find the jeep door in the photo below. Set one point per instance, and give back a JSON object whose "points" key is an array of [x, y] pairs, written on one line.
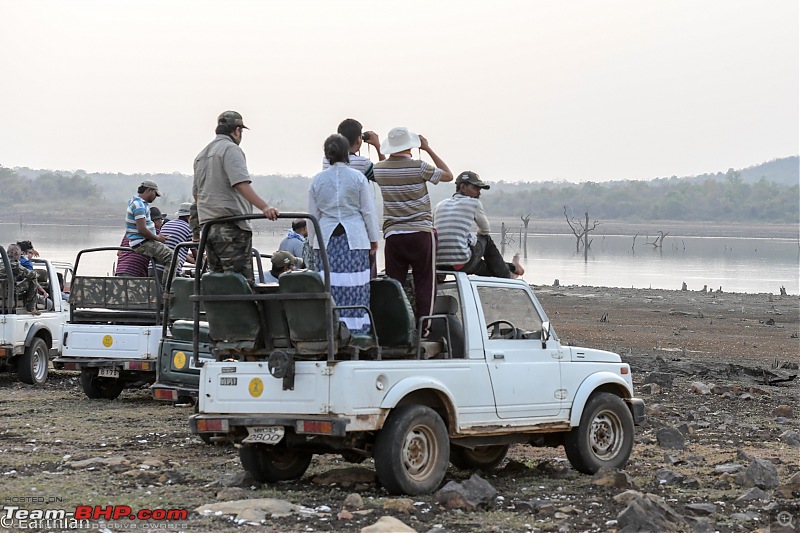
{"points": [[526, 379]]}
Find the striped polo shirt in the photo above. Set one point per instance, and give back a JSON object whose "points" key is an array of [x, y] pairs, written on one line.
{"points": [[137, 208], [358, 162], [454, 220], [406, 204]]}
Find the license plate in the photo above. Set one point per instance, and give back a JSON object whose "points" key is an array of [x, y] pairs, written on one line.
{"points": [[264, 434], [229, 381], [108, 373]]}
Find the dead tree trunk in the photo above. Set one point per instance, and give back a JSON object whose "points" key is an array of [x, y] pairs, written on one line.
{"points": [[581, 231], [659, 241], [525, 220]]}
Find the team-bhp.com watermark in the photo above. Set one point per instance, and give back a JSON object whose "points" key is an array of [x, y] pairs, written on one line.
{"points": [[14, 517]]}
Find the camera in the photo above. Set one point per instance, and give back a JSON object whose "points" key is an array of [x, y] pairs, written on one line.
{"points": [[365, 136]]}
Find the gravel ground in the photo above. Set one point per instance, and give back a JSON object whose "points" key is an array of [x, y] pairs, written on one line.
{"points": [[61, 450]]}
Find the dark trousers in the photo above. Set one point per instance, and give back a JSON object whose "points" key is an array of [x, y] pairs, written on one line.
{"points": [[487, 261], [418, 251]]}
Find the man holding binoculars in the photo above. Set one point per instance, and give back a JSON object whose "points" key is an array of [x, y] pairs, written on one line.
{"points": [[352, 130]]}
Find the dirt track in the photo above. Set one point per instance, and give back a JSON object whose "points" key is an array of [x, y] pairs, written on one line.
{"points": [[144, 456]]}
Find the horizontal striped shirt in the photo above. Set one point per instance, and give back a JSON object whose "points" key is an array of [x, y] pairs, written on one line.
{"points": [[358, 162], [406, 204], [137, 208], [177, 231], [454, 220]]}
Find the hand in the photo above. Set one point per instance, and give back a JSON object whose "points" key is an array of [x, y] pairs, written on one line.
{"points": [[41, 290], [373, 248], [374, 140], [270, 212], [423, 143], [33, 253], [161, 238]]}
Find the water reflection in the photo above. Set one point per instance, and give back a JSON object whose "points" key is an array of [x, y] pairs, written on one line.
{"points": [[736, 265]]}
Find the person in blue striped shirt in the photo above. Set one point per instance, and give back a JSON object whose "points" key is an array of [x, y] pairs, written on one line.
{"points": [[140, 228]]}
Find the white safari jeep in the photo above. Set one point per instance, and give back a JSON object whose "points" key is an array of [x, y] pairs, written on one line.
{"points": [[28, 341], [491, 372]]}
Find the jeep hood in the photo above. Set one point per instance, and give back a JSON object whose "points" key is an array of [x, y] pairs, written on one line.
{"points": [[588, 354]]}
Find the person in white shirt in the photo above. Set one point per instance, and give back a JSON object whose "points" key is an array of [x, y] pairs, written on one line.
{"points": [[341, 200]]}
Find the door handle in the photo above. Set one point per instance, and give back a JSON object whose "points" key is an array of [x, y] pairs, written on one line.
{"points": [[499, 356]]}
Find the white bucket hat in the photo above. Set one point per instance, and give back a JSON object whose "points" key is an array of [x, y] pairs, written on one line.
{"points": [[184, 210], [399, 140]]}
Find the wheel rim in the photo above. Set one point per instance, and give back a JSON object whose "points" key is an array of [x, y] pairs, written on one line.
{"points": [[39, 364], [606, 436], [419, 452]]}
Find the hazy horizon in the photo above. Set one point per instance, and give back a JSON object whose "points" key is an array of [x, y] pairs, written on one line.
{"points": [[515, 90]]}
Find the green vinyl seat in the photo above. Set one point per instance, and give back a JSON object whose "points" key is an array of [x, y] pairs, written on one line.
{"points": [[232, 325], [308, 321], [181, 311], [394, 318]]}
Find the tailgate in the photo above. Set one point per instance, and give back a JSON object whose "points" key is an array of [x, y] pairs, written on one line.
{"points": [[248, 388], [111, 342]]}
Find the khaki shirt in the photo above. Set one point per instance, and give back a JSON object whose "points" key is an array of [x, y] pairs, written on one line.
{"points": [[219, 167]]}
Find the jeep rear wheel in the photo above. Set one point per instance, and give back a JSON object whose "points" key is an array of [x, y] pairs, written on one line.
{"points": [[412, 451], [478, 458], [268, 464], [32, 365], [97, 388], [604, 438]]}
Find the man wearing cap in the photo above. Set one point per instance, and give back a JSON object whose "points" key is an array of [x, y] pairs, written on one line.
{"points": [[460, 248], [407, 219], [296, 243], [177, 231], [222, 187], [281, 262], [140, 229]]}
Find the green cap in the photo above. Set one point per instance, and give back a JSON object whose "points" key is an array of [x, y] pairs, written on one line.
{"points": [[231, 119]]}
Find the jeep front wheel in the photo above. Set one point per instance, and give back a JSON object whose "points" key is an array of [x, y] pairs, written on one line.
{"points": [[268, 464], [604, 438], [478, 458], [412, 451], [32, 365]]}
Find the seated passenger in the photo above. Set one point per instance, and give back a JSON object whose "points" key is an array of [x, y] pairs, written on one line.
{"points": [[24, 279], [281, 262], [460, 249]]}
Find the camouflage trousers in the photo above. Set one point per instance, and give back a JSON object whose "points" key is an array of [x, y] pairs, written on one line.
{"points": [[194, 222], [229, 248], [158, 252], [26, 291]]}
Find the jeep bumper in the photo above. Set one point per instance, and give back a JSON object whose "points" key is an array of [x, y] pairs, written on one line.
{"points": [[636, 405]]}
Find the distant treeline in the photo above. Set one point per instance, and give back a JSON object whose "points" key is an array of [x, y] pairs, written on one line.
{"points": [[769, 192]]}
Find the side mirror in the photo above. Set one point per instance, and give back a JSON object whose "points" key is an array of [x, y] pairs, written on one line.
{"points": [[545, 333]]}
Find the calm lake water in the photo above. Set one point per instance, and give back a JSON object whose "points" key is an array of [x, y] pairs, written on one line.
{"points": [[735, 264]]}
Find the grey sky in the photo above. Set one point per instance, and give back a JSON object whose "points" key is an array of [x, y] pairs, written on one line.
{"points": [[515, 90]]}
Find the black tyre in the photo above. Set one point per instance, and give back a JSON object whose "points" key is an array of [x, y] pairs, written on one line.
{"points": [[478, 458], [268, 464], [604, 437], [97, 388], [32, 366], [412, 451]]}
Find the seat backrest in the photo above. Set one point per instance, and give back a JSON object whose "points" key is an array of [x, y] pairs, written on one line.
{"points": [[447, 305], [307, 319], [277, 334], [233, 321], [394, 318], [180, 308]]}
